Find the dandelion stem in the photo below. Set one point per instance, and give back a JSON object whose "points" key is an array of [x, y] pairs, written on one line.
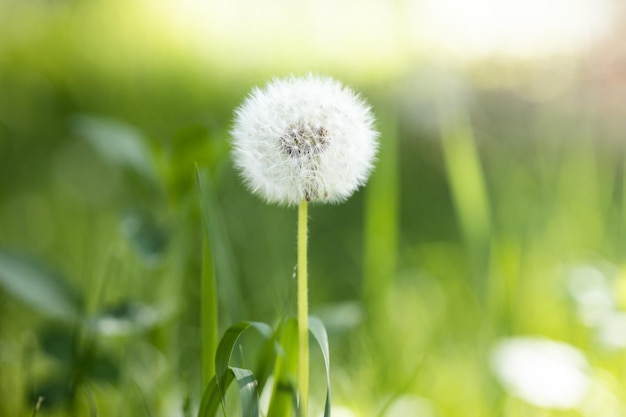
{"points": [[303, 313]]}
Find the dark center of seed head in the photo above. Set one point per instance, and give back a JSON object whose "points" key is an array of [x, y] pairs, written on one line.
{"points": [[304, 139]]}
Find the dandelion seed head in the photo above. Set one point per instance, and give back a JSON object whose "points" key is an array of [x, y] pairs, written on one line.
{"points": [[304, 138]]}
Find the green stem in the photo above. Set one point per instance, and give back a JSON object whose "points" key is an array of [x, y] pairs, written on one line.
{"points": [[303, 313]]}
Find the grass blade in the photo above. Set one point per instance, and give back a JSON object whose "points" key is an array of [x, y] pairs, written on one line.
{"points": [[208, 309], [247, 391], [226, 348], [216, 261], [469, 193], [321, 337], [218, 247], [284, 391], [211, 398], [209, 314]]}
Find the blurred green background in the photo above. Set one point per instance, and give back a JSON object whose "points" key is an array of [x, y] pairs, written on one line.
{"points": [[497, 208]]}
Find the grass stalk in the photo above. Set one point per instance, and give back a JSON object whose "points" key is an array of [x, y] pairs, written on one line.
{"points": [[469, 194], [208, 318], [303, 311], [215, 262], [381, 224]]}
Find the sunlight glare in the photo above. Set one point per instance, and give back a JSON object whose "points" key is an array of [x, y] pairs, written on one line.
{"points": [[475, 28]]}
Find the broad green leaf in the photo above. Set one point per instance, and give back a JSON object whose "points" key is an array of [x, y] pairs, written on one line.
{"points": [[284, 392], [321, 337], [226, 347], [42, 289], [117, 142]]}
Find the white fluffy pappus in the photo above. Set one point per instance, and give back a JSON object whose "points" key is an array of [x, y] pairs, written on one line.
{"points": [[304, 138]]}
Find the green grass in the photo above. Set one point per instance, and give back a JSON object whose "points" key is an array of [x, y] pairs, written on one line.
{"points": [[120, 215]]}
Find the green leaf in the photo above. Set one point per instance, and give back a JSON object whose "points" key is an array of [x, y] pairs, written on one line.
{"points": [[267, 358], [118, 143], [247, 391], [226, 347], [321, 337], [44, 290], [284, 392], [212, 398]]}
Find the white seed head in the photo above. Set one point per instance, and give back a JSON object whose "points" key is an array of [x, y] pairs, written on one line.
{"points": [[307, 138]]}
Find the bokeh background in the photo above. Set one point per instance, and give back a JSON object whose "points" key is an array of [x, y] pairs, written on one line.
{"points": [[497, 209]]}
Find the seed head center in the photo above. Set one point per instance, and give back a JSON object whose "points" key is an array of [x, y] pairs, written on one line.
{"points": [[304, 139]]}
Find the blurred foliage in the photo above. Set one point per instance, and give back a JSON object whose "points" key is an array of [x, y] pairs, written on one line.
{"points": [[496, 180]]}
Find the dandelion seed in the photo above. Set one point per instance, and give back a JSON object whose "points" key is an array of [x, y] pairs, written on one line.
{"points": [[307, 138]]}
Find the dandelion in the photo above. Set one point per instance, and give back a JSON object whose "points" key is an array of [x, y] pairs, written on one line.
{"points": [[302, 140], [306, 138]]}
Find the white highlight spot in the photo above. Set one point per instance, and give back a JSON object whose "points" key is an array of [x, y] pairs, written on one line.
{"points": [[542, 372]]}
